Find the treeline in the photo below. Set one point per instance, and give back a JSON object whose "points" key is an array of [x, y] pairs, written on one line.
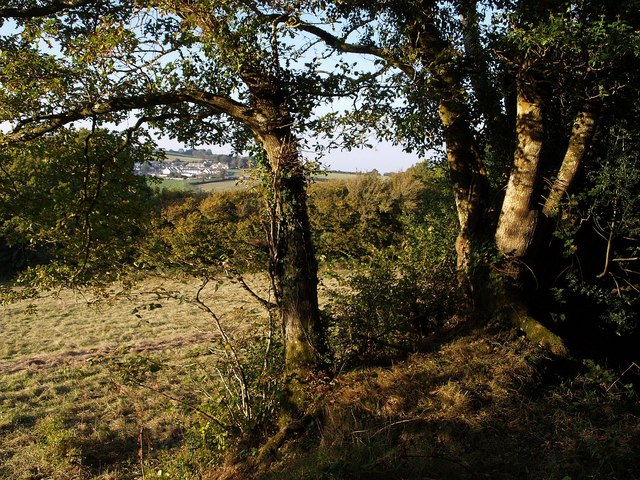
{"points": [[389, 241]]}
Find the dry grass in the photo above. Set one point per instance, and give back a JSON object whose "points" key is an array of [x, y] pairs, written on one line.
{"points": [[65, 411], [479, 407], [71, 326], [484, 405]]}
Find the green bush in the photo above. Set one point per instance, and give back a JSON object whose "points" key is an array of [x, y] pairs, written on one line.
{"points": [[71, 204], [404, 290]]}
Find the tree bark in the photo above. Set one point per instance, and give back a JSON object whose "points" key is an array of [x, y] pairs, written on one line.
{"points": [[480, 75], [469, 185], [518, 217], [468, 174], [292, 261], [584, 129], [443, 74], [292, 257]]}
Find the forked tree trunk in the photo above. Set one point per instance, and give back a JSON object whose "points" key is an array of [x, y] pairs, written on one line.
{"points": [[518, 217]]}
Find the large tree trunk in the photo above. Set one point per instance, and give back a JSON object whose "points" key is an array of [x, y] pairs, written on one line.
{"points": [[294, 270], [518, 217], [292, 257], [293, 265], [469, 186], [466, 168]]}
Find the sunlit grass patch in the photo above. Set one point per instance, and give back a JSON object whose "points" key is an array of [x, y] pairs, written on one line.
{"points": [[67, 409], [478, 407]]}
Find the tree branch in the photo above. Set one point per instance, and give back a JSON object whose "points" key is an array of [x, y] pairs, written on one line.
{"points": [[584, 129], [345, 47], [34, 127]]}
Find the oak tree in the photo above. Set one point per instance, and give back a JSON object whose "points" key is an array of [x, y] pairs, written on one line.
{"points": [[515, 91], [200, 71]]}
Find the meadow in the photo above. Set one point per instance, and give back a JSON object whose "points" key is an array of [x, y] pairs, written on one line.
{"points": [[233, 184], [67, 409]]}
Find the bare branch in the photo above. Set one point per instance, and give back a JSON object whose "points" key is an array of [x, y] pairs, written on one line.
{"points": [[265, 303]]}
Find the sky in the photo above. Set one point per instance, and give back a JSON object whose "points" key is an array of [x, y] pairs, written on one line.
{"points": [[383, 157]]}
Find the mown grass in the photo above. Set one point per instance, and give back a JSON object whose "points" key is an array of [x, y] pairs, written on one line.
{"points": [[66, 407]]}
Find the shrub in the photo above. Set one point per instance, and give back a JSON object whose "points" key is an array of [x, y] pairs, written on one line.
{"points": [[406, 289]]}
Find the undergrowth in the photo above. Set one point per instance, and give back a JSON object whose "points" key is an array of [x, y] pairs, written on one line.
{"points": [[486, 405]]}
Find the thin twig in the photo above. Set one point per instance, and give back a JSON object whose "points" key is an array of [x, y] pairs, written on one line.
{"points": [[216, 420], [399, 422], [633, 365]]}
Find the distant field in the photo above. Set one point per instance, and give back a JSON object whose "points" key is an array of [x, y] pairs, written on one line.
{"points": [[191, 185], [225, 185], [335, 176], [179, 156]]}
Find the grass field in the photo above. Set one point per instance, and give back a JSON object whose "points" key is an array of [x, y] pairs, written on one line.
{"points": [[213, 186], [225, 185], [104, 388], [65, 409]]}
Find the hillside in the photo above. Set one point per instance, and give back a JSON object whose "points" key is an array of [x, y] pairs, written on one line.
{"points": [[124, 389], [191, 154], [483, 405]]}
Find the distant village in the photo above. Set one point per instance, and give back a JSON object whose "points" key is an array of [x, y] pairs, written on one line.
{"points": [[181, 169], [192, 164]]}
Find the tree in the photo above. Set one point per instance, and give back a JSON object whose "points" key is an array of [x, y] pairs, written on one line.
{"points": [[518, 88], [73, 205], [212, 71]]}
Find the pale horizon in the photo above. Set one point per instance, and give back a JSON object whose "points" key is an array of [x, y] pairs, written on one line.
{"points": [[383, 157]]}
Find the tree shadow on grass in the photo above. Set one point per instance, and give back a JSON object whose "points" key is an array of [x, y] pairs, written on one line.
{"points": [[482, 406]]}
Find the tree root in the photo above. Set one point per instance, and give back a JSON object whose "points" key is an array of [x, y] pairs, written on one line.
{"points": [[537, 333], [267, 452], [254, 467]]}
